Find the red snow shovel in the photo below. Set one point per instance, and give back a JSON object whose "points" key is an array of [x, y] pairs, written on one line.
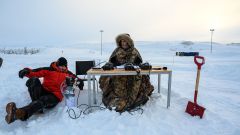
{"points": [[193, 108]]}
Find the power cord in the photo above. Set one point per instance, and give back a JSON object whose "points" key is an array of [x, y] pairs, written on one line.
{"points": [[100, 63]]}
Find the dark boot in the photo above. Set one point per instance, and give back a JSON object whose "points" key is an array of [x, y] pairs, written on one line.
{"points": [[13, 113]]}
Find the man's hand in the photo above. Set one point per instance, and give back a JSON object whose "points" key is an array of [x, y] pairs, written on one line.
{"points": [[145, 66], [129, 67], [108, 66], [23, 72]]}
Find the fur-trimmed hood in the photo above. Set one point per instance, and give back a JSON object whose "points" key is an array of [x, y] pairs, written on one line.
{"points": [[121, 56], [126, 37]]}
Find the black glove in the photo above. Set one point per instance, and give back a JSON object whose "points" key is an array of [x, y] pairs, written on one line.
{"points": [[145, 66], [129, 67], [69, 81], [80, 84], [23, 72], [108, 66]]}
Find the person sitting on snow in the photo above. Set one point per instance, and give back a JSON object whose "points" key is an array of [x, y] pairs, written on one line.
{"points": [[44, 96], [125, 92]]}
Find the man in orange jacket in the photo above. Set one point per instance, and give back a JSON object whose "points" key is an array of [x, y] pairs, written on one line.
{"points": [[44, 96]]}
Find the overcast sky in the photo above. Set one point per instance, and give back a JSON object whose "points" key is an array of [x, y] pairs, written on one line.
{"points": [[73, 21]]}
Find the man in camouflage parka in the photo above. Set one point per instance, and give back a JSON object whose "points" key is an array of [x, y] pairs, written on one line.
{"points": [[125, 92]]}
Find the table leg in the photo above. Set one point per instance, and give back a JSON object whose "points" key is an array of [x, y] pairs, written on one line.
{"points": [[159, 83], [94, 91], [169, 88], [89, 90]]}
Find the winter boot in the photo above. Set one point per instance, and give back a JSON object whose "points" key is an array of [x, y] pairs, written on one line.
{"points": [[13, 113]]}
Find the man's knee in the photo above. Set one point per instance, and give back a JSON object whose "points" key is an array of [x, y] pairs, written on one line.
{"points": [[32, 82], [49, 101]]}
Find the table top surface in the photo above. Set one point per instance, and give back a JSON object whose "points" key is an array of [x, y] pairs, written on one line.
{"points": [[155, 69]]}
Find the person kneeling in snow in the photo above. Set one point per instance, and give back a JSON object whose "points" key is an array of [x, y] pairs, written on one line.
{"points": [[125, 92], [44, 96]]}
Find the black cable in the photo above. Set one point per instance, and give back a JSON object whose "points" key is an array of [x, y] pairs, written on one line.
{"points": [[136, 110], [100, 63], [82, 111], [90, 107], [75, 116]]}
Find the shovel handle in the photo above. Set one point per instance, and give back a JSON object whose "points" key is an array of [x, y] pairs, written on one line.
{"points": [[199, 64]]}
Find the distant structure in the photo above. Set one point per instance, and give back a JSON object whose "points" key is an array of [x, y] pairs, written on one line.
{"points": [[187, 53], [101, 40], [187, 42], [1, 61], [212, 30]]}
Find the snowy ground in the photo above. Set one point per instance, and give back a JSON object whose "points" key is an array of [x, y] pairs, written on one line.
{"points": [[218, 93]]}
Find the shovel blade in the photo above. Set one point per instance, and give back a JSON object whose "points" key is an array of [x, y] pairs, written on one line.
{"points": [[194, 109]]}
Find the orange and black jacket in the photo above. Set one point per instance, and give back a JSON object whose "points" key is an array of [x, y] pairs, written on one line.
{"points": [[53, 77]]}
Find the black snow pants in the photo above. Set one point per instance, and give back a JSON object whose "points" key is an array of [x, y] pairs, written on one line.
{"points": [[41, 99]]}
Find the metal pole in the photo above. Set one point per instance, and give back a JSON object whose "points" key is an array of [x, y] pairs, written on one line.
{"points": [[169, 88], [94, 91], [159, 83], [211, 38], [101, 41], [89, 90]]}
